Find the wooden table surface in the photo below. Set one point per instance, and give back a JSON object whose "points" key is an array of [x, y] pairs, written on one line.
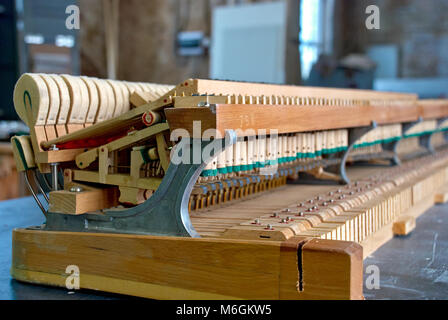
{"points": [[414, 267]]}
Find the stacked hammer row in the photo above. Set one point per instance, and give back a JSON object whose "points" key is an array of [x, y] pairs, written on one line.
{"points": [[252, 154], [66, 103]]}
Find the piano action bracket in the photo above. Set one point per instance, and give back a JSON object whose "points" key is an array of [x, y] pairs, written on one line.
{"points": [[164, 214]]}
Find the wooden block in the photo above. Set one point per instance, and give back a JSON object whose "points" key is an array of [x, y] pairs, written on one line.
{"points": [[133, 196], [404, 226], [441, 197], [88, 200], [58, 156], [332, 270]]}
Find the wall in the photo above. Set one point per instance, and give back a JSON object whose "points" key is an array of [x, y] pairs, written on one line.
{"points": [[146, 39], [418, 27]]}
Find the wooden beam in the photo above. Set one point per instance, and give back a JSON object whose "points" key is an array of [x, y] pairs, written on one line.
{"points": [[191, 268], [285, 118], [433, 109], [83, 160], [117, 179]]}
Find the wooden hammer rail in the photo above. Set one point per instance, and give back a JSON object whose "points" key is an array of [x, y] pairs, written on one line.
{"points": [[248, 119]]}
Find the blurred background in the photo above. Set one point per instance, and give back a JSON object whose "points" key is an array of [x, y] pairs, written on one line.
{"points": [[304, 42]]}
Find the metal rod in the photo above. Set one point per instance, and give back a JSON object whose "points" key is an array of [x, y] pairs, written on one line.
{"points": [[40, 187], [54, 171], [34, 194], [54, 176], [44, 178]]}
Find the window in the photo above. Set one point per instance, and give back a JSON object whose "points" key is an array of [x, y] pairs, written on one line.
{"points": [[316, 19]]}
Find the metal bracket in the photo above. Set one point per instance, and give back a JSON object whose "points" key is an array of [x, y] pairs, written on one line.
{"points": [[392, 146], [354, 134], [33, 193], [164, 214], [426, 140]]}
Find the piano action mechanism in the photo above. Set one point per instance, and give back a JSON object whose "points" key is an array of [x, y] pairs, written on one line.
{"points": [[202, 190]]}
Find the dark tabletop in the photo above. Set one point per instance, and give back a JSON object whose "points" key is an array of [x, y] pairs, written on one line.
{"points": [[412, 267]]}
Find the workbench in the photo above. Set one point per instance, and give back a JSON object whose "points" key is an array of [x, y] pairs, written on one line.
{"points": [[413, 267]]}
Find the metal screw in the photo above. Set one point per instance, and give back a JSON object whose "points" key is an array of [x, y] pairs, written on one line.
{"points": [[76, 189], [300, 214], [286, 210], [275, 215], [203, 104], [256, 221], [269, 227]]}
